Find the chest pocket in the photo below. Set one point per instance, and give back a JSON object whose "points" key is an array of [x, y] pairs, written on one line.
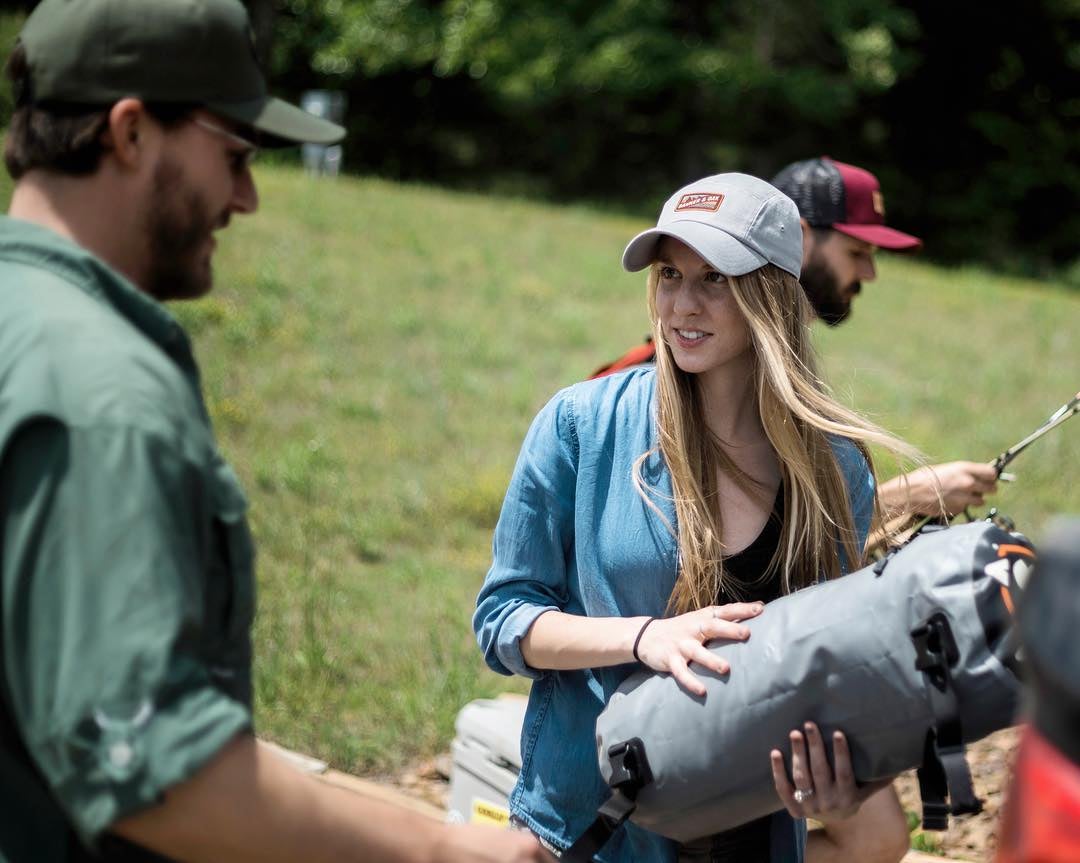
{"points": [[230, 587]]}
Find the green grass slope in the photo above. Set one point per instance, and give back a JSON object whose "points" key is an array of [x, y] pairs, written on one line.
{"points": [[373, 355]]}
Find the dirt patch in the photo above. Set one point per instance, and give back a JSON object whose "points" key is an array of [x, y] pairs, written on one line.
{"points": [[428, 780]]}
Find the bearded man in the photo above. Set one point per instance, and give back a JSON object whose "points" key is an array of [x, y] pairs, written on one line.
{"points": [[126, 564]]}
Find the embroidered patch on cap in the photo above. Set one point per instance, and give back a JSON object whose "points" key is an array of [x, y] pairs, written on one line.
{"points": [[879, 203], [709, 201]]}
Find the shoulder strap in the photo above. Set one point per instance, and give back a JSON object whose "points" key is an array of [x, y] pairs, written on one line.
{"points": [[640, 355]]}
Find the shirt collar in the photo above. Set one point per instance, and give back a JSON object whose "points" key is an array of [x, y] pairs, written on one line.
{"points": [[34, 244]]}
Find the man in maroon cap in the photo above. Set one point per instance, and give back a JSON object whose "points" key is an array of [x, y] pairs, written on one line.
{"points": [[843, 218]]}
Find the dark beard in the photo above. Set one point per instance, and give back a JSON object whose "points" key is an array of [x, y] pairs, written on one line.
{"points": [[178, 223], [823, 291]]}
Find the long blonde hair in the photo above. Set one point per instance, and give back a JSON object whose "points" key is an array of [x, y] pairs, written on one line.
{"points": [[798, 415]]}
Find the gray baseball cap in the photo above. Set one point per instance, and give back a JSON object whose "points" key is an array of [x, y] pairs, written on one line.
{"points": [[736, 222], [95, 52]]}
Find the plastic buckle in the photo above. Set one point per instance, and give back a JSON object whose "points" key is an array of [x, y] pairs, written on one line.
{"points": [[935, 649], [879, 567], [629, 766]]}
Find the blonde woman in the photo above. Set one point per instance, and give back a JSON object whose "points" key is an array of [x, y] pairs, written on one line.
{"points": [[653, 511]]}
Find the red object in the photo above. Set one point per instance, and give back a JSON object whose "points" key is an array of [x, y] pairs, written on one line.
{"points": [[640, 355], [864, 216], [1041, 823]]}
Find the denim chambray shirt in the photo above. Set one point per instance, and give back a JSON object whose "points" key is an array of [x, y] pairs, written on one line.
{"points": [[574, 535]]}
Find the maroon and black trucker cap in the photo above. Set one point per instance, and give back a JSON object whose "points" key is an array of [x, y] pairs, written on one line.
{"points": [[831, 194]]}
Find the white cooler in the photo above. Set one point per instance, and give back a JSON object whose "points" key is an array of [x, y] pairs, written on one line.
{"points": [[486, 757]]}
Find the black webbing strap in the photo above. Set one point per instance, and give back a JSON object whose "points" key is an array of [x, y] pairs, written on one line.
{"points": [[629, 774], [609, 817], [944, 773], [933, 788], [949, 748]]}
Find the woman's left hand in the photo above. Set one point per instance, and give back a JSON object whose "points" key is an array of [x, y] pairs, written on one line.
{"points": [[815, 789]]}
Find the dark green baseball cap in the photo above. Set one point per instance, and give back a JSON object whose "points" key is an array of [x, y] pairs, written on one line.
{"points": [[202, 52]]}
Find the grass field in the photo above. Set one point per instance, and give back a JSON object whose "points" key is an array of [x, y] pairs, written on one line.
{"points": [[373, 355]]}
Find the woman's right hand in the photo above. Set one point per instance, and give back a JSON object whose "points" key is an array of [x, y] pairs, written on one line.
{"points": [[671, 644]]}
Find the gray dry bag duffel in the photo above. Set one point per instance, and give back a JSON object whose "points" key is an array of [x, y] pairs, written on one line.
{"points": [[911, 658]]}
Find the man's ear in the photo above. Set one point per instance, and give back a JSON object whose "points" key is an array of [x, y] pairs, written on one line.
{"points": [[127, 132], [807, 238]]}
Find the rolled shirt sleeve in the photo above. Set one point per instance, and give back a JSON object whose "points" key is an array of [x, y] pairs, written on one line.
{"points": [[533, 544], [110, 621]]}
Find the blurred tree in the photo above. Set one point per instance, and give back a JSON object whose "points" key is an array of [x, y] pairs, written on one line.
{"points": [[10, 24], [967, 111], [263, 15], [983, 133], [612, 100]]}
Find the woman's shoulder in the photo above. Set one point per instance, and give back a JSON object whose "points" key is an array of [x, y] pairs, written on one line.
{"points": [[625, 391], [622, 396], [594, 411]]}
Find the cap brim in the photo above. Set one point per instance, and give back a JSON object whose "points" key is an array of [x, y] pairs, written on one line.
{"points": [[880, 236], [718, 247], [282, 124]]}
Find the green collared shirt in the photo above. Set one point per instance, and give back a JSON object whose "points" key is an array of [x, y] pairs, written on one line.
{"points": [[126, 587]]}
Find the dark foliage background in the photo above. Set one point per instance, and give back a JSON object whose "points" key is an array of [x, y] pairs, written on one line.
{"points": [[969, 112]]}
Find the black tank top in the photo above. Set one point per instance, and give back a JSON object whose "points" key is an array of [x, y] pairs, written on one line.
{"points": [[746, 568]]}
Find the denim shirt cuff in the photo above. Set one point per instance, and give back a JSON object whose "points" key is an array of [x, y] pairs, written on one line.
{"points": [[513, 629]]}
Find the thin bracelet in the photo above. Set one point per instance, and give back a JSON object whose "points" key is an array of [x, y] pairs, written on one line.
{"points": [[637, 641]]}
